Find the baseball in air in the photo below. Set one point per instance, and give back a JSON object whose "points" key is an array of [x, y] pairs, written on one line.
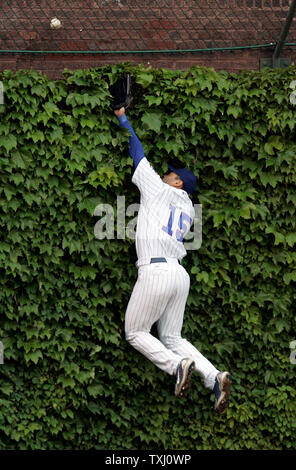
{"points": [[55, 23]]}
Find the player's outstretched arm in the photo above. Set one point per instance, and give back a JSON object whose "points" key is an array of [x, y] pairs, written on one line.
{"points": [[145, 177], [136, 149]]}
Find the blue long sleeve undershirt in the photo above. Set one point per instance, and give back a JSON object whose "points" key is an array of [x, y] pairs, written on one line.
{"points": [[136, 150]]}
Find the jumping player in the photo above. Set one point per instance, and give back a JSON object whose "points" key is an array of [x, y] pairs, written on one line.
{"points": [[160, 293]]}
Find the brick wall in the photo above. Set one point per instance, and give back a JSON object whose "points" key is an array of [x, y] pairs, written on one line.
{"points": [[112, 25]]}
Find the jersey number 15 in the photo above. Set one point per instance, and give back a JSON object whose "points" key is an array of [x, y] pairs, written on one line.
{"points": [[182, 226]]}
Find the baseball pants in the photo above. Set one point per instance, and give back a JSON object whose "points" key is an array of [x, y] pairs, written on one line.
{"points": [[160, 295]]}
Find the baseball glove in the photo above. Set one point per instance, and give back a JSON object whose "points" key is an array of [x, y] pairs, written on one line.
{"points": [[121, 92]]}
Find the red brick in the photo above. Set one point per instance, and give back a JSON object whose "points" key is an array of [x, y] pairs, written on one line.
{"points": [[102, 25]]}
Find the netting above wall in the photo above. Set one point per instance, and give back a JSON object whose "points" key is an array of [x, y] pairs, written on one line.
{"points": [[124, 26]]}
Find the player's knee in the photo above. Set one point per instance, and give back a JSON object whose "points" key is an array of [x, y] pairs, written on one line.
{"points": [[135, 337], [130, 336], [171, 341]]}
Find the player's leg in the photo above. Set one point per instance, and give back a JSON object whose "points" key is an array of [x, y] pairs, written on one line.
{"points": [[170, 327], [146, 305]]}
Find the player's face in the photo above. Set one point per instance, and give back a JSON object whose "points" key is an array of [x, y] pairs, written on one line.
{"points": [[173, 180]]}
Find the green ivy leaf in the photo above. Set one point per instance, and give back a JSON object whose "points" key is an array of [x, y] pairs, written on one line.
{"points": [[8, 142], [291, 238], [95, 390], [51, 108], [144, 79], [152, 121], [33, 356]]}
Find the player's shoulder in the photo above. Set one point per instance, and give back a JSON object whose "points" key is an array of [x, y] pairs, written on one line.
{"points": [[144, 164], [182, 195], [145, 169], [187, 202]]}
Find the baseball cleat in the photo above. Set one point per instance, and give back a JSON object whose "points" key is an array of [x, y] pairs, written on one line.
{"points": [[184, 373], [222, 391]]}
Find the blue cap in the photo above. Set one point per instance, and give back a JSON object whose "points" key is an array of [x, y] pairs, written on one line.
{"points": [[188, 178]]}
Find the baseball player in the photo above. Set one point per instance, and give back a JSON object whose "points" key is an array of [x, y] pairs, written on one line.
{"points": [[160, 293]]}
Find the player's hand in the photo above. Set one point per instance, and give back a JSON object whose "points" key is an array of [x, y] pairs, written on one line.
{"points": [[119, 112]]}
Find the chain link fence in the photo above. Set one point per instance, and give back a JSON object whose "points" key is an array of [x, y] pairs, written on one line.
{"points": [[124, 26]]}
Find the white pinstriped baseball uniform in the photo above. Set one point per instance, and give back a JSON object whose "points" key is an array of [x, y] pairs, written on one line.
{"points": [[160, 293]]}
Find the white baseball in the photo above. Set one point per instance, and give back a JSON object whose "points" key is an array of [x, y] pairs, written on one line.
{"points": [[55, 23]]}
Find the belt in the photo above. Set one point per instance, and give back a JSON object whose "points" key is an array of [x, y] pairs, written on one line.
{"points": [[161, 260]]}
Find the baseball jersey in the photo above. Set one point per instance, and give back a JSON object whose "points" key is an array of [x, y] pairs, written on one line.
{"points": [[165, 216], [166, 213]]}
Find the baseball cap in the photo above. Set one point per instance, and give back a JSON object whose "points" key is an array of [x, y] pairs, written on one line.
{"points": [[188, 178]]}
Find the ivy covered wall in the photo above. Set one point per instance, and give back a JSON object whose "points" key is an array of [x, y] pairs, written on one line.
{"points": [[69, 379]]}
